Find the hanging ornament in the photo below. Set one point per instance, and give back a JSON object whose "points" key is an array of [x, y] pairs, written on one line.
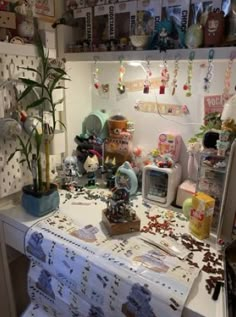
{"points": [[227, 80], [164, 77], [121, 85], [209, 74], [147, 82], [176, 70], [187, 86], [96, 82]]}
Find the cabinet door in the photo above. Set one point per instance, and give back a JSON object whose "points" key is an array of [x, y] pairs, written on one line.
{"points": [[4, 300]]}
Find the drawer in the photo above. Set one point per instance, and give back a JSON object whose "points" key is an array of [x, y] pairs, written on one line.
{"points": [[14, 237]]}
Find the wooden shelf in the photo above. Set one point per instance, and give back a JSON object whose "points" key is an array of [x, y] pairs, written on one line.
{"points": [[221, 53]]}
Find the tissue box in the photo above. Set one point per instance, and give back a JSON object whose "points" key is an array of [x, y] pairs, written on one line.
{"points": [[185, 190]]}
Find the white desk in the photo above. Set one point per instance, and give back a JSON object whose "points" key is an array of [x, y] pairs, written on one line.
{"points": [[15, 222]]}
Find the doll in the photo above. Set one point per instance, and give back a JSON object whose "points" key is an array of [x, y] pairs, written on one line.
{"points": [[91, 165]]}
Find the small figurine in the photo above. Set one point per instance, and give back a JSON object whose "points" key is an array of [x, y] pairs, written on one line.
{"points": [[91, 165], [110, 170], [71, 171]]}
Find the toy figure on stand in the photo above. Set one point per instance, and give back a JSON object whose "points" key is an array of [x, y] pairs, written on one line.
{"points": [[91, 165], [119, 217]]}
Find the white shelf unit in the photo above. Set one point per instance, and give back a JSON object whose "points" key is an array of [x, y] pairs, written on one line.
{"points": [[22, 50], [66, 35]]}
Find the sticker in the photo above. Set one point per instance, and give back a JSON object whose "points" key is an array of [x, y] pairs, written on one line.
{"points": [[164, 108], [213, 104]]}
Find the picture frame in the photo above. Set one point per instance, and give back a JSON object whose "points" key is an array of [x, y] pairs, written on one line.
{"points": [[44, 10]]}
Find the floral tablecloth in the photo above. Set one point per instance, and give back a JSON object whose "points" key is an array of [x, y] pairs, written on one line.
{"points": [[78, 270]]}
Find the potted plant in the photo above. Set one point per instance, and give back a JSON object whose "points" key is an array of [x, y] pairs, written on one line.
{"points": [[41, 196]]}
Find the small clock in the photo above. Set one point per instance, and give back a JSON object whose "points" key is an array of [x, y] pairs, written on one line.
{"points": [[126, 178], [96, 124]]}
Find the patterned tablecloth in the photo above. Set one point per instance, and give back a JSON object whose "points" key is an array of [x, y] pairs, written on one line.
{"points": [[78, 270]]}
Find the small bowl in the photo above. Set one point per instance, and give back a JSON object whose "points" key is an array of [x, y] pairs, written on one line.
{"points": [[139, 41]]}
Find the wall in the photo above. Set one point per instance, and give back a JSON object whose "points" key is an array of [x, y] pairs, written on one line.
{"points": [[147, 125]]}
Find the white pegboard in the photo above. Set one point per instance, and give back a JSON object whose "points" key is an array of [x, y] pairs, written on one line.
{"points": [[12, 175]]}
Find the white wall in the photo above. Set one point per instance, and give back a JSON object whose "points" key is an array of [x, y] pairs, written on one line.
{"points": [[147, 125], [78, 100]]}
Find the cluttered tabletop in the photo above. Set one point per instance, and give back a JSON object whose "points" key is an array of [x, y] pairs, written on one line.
{"points": [[160, 269]]}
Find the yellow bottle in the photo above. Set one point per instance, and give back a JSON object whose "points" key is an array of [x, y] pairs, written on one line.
{"points": [[201, 215]]}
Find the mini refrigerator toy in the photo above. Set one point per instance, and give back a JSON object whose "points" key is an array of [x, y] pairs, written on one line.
{"points": [[159, 185]]}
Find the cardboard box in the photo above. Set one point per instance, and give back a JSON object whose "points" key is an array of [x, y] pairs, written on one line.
{"points": [[103, 23], [148, 14], [7, 20], [179, 10], [125, 16], [84, 18], [201, 215], [75, 4]]}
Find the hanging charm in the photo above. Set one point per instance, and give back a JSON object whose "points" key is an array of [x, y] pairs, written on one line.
{"points": [[164, 78], [176, 70], [96, 82], [187, 86], [227, 80], [121, 85], [147, 82], [209, 74]]}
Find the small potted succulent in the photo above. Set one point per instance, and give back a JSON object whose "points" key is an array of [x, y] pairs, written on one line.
{"points": [[40, 197]]}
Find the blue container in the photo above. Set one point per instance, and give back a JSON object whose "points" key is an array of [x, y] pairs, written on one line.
{"points": [[39, 204]]}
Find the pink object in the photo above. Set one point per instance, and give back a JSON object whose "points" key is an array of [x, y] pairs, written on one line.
{"points": [[169, 143]]}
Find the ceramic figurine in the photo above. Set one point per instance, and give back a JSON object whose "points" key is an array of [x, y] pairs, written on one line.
{"points": [[91, 166], [71, 171], [110, 170]]}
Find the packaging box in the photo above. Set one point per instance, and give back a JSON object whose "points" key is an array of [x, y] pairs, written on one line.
{"points": [[201, 215], [178, 12], [148, 15], [74, 4], [103, 23], [84, 18], [7, 20], [199, 10], [125, 16]]}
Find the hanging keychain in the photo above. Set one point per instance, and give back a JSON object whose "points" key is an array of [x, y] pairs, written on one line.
{"points": [[164, 77], [96, 82], [187, 86], [176, 70], [209, 74], [147, 82], [227, 80], [121, 85]]}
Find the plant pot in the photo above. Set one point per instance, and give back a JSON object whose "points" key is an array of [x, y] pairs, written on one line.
{"points": [[39, 204]]}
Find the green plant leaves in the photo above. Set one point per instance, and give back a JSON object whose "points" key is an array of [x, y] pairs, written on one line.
{"points": [[36, 103]]}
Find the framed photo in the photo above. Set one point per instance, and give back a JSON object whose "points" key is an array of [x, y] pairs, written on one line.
{"points": [[44, 9]]}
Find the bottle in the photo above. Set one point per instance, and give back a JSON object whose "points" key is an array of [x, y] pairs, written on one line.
{"points": [[29, 123]]}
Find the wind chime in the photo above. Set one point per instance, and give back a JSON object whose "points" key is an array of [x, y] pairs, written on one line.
{"points": [[227, 80], [209, 74], [96, 82], [147, 81], [164, 77], [188, 85], [176, 70], [121, 84]]}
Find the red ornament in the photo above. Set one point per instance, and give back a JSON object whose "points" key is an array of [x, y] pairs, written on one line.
{"points": [[162, 90], [185, 87], [96, 85]]}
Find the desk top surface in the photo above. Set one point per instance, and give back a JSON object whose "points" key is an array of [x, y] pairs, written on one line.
{"points": [[199, 302]]}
